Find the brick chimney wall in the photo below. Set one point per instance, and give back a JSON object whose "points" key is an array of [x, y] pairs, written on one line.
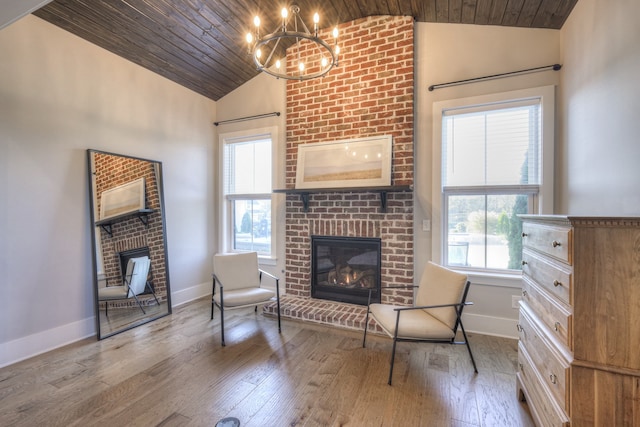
{"points": [[370, 93]]}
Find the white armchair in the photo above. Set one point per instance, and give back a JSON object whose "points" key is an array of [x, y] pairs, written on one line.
{"points": [[237, 279], [435, 317]]}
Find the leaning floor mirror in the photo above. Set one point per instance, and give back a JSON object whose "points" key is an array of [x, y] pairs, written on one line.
{"points": [[131, 272]]}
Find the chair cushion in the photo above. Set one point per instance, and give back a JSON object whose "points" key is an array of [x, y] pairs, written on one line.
{"points": [[246, 296], [440, 285], [237, 270], [112, 292], [414, 324]]}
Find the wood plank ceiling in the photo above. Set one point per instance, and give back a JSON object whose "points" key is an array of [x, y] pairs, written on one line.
{"points": [[200, 44]]}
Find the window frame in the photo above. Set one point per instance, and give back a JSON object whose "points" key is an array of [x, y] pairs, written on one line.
{"points": [[226, 200], [541, 203]]}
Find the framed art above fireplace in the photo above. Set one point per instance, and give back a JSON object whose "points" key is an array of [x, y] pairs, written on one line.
{"points": [[361, 162]]}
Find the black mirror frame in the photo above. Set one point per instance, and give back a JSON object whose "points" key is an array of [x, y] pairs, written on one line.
{"points": [[92, 210]]}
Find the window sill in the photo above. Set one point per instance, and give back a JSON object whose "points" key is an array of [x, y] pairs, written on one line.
{"points": [[502, 280], [267, 260]]}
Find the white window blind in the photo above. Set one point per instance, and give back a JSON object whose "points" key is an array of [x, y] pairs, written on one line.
{"points": [[247, 167], [493, 147]]}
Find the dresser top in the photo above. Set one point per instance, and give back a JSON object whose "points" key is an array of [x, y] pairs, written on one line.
{"points": [[584, 221]]}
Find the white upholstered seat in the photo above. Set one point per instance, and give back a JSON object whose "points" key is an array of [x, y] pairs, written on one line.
{"points": [[237, 280], [435, 316]]}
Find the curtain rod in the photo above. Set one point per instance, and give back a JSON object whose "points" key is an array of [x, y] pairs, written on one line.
{"points": [[242, 119], [554, 67]]}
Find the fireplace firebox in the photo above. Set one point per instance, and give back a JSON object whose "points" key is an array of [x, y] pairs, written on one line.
{"points": [[345, 269]]}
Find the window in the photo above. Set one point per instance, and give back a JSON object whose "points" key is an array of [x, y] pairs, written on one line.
{"points": [[247, 177], [491, 169]]}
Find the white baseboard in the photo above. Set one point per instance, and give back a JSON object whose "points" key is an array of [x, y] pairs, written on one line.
{"points": [[24, 348], [184, 296], [41, 342], [487, 325]]}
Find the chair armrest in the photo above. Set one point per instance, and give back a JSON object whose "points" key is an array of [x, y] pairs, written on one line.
{"points": [[423, 307], [219, 282], [268, 274], [277, 279], [216, 280]]}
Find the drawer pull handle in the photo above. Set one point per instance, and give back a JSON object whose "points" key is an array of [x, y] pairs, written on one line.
{"points": [[524, 234], [519, 327], [556, 327], [524, 294], [553, 378], [521, 366], [557, 283], [555, 244], [524, 262]]}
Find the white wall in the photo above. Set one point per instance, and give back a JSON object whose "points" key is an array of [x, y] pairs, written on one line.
{"points": [[598, 160], [59, 96], [451, 52]]}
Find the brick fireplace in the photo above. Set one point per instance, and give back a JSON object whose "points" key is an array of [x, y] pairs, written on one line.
{"points": [[370, 93]]}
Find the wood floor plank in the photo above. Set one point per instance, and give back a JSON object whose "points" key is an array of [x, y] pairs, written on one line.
{"points": [[174, 372]]}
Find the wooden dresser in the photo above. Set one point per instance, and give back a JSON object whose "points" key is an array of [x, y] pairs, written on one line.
{"points": [[579, 327]]}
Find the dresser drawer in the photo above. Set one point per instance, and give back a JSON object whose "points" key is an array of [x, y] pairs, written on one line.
{"points": [[551, 367], [556, 317], [553, 241], [543, 408], [551, 276]]}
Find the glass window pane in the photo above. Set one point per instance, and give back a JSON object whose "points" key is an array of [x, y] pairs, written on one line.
{"points": [[484, 231], [252, 225]]}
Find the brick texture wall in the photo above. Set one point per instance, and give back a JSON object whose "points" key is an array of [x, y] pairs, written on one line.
{"points": [[370, 93], [131, 233]]}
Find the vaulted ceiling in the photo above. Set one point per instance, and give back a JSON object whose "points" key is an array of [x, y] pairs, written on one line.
{"points": [[200, 44]]}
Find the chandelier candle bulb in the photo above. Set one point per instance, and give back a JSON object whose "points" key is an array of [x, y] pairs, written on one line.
{"points": [[315, 57]]}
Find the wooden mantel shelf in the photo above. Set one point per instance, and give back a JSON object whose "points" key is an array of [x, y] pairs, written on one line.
{"points": [[141, 214], [304, 192]]}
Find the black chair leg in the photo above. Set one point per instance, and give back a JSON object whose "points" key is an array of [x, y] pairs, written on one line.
{"points": [[139, 305], [279, 326], [393, 358], [212, 309], [222, 325], [466, 341], [366, 323]]}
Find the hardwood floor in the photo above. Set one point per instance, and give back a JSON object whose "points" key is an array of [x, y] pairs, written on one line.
{"points": [[173, 372]]}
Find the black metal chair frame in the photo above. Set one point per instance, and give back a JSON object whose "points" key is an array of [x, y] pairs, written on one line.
{"points": [[459, 307], [126, 283], [221, 305]]}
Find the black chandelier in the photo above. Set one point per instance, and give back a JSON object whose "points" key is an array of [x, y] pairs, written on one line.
{"points": [[320, 56]]}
